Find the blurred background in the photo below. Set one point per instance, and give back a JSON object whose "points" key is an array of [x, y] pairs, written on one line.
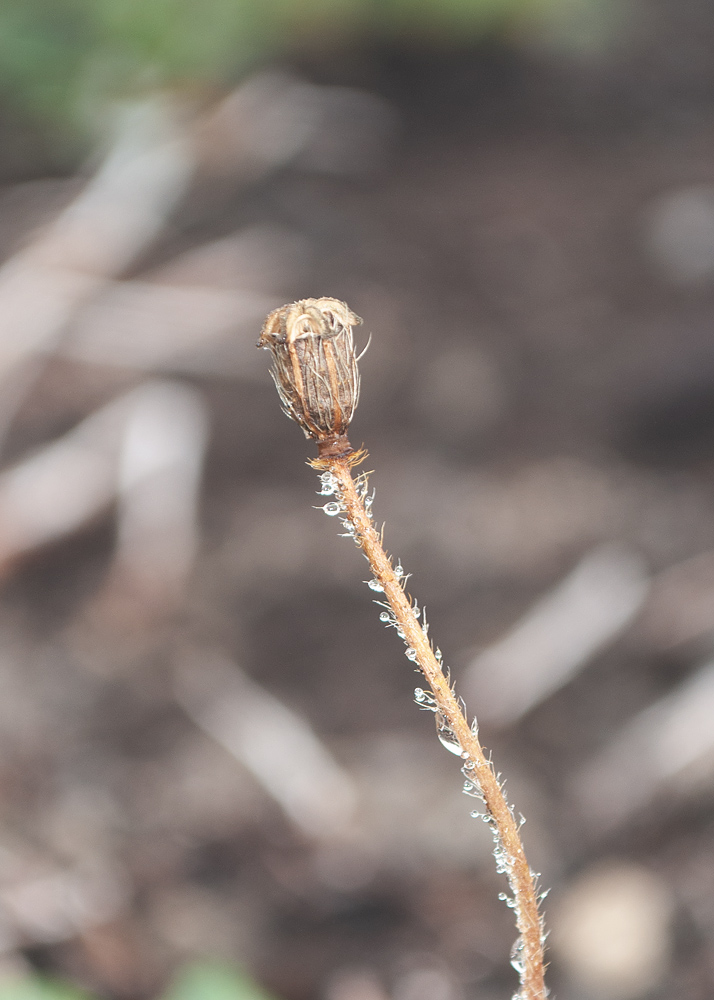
{"points": [[214, 781]]}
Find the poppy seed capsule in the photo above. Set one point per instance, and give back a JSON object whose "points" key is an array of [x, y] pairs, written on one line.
{"points": [[315, 367]]}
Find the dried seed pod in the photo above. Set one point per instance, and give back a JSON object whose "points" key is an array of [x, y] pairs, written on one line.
{"points": [[315, 367]]}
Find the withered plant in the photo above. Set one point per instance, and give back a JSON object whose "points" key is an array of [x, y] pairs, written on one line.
{"points": [[317, 377]]}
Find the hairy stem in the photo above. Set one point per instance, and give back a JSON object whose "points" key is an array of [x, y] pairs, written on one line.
{"points": [[481, 778]]}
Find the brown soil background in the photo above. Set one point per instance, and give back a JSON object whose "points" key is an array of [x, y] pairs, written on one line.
{"points": [[525, 338]]}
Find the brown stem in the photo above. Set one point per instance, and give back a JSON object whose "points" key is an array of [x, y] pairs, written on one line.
{"points": [[477, 768]]}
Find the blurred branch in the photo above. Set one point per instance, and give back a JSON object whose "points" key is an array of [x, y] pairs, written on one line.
{"points": [[147, 326], [656, 752], [120, 210], [558, 635], [44, 905], [145, 449], [680, 607], [272, 741]]}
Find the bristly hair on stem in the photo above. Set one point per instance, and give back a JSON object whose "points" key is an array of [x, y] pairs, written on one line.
{"points": [[316, 374]]}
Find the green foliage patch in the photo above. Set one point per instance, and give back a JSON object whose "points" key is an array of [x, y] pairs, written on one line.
{"points": [[57, 57], [199, 981]]}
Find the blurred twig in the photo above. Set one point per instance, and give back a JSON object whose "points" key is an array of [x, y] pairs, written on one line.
{"points": [[272, 741], [120, 210], [558, 635], [655, 752], [144, 449]]}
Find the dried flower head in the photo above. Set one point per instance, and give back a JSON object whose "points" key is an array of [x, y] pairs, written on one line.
{"points": [[315, 367]]}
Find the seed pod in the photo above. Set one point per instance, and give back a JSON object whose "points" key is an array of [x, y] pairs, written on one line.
{"points": [[315, 367]]}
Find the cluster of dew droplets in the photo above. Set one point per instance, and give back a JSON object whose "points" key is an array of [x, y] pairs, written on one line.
{"points": [[518, 961], [329, 484], [366, 499], [471, 783], [427, 702], [388, 617], [448, 739], [329, 487], [504, 861]]}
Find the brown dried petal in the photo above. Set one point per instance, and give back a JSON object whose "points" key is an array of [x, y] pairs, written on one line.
{"points": [[314, 364]]}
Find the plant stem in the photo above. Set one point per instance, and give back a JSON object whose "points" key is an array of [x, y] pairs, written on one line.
{"points": [[481, 778], [317, 377]]}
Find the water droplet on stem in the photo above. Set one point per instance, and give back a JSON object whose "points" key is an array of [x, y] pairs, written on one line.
{"points": [[446, 735]]}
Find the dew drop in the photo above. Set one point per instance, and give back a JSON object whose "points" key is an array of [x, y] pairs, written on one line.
{"points": [[416, 611], [474, 728], [400, 633], [446, 735], [411, 654], [517, 955], [419, 694], [399, 570], [465, 755], [469, 765], [332, 509], [374, 584], [329, 483], [385, 617]]}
